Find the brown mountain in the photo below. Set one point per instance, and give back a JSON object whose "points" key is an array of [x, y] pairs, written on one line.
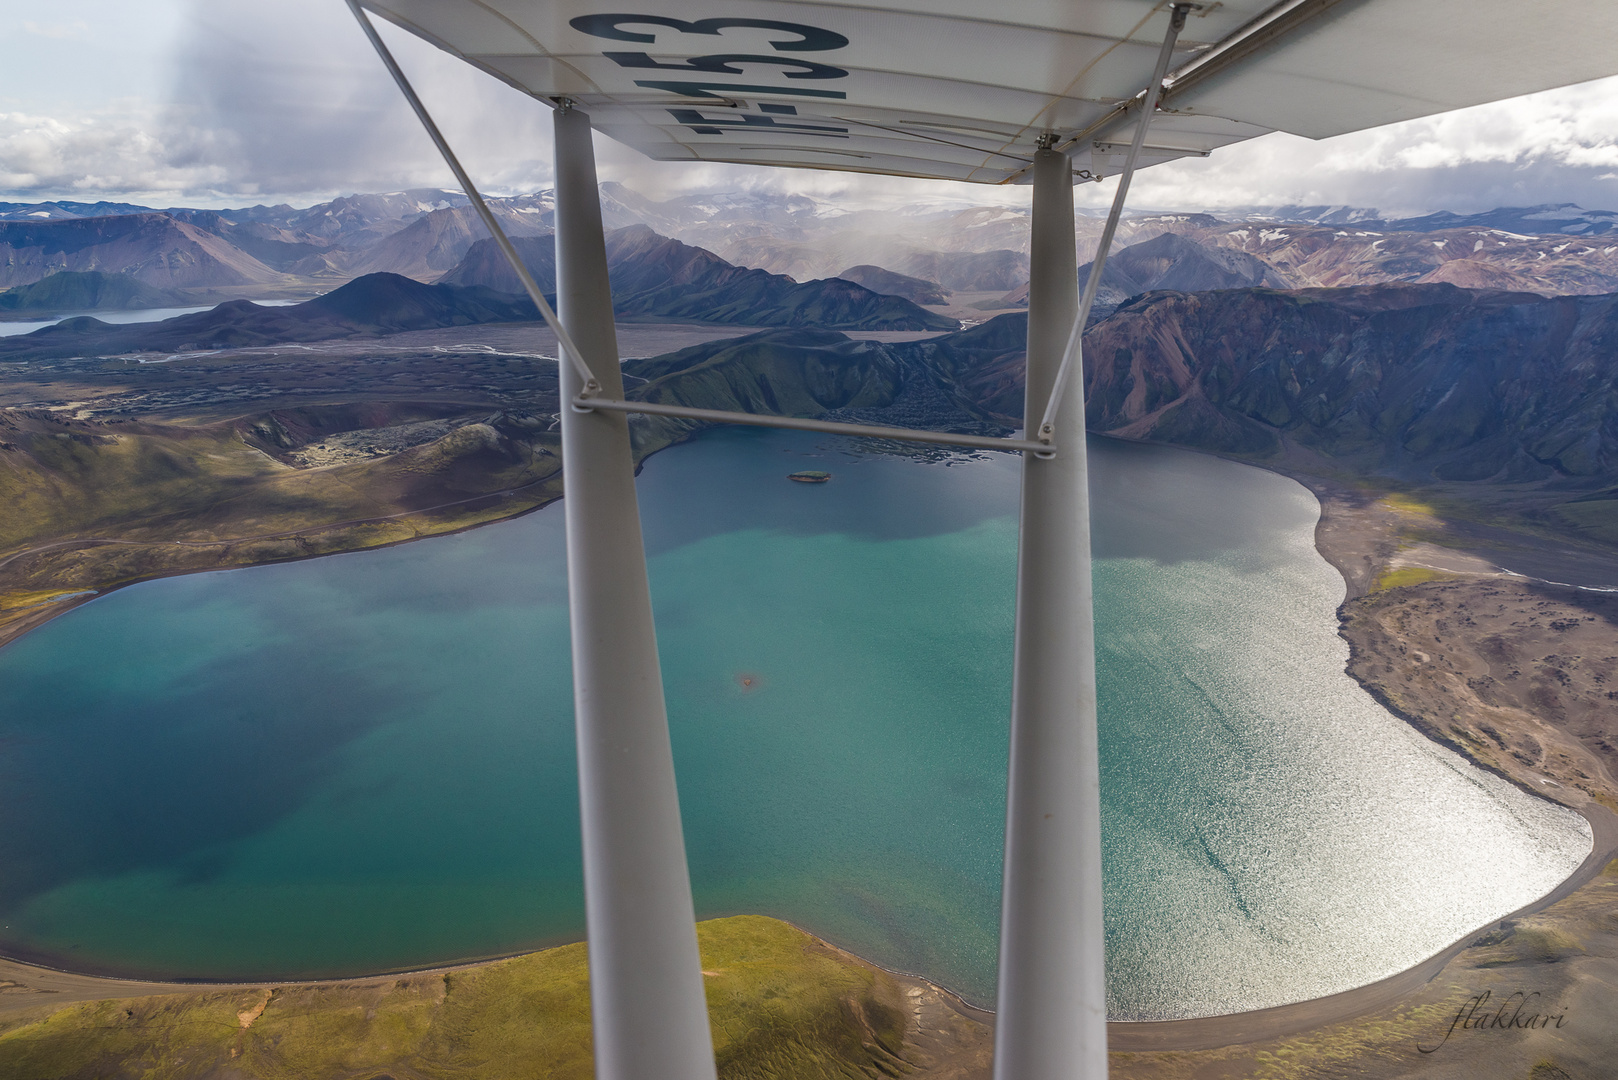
{"points": [[878, 280], [1170, 261], [1428, 381], [1174, 262], [153, 248], [656, 277], [1423, 382], [433, 244]]}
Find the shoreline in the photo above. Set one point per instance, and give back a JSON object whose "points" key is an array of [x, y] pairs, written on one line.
{"points": [[1278, 1021], [1128, 1036], [32, 618], [1352, 547]]}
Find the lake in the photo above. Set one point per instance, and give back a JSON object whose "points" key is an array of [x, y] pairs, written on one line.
{"points": [[365, 762], [14, 327]]}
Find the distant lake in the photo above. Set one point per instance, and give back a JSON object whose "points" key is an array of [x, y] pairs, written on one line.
{"points": [[365, 762], [120, 318]]}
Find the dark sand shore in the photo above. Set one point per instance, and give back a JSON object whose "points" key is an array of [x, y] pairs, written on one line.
{"points": [[1519, 676]]}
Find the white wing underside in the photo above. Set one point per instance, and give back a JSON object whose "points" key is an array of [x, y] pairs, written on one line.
{"points": [[962, 90]]}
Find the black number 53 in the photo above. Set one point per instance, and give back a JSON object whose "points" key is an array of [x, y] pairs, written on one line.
{"points": [[803, 39]]}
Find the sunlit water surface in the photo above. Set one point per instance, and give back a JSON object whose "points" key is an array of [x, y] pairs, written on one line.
{"points": [[366, 762]]}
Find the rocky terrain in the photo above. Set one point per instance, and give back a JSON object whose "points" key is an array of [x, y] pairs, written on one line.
{"points": [[1519, 675], [432, 245], [1423, 382], [1469, 256], [154, 248]]}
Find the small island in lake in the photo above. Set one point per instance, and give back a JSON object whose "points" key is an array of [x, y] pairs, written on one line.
{"points": [[810, 476]]}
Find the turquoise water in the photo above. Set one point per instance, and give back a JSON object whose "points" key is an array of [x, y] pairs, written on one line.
{"points": [[366, 762]]}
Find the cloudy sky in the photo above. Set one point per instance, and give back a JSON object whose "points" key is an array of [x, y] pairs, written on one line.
{"points": [[231, 102]]}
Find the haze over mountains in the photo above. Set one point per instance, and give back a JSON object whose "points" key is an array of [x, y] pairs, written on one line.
{"points": [[652, 277], [656, 277], [425, 234]]}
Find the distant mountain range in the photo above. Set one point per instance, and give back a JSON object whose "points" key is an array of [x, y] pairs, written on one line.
{"points": [[372, 305], [1416, 382], [1548, 218], [67, 210], [653, 277], [426, 234], [1171, 261], [1472, 256], [656, 277], [155, 249]]}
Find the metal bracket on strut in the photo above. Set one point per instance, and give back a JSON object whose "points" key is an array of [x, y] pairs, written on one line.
{"points": [[1046, 438]]}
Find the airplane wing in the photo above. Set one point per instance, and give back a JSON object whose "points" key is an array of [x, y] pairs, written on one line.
{"points": [[960, 89]]}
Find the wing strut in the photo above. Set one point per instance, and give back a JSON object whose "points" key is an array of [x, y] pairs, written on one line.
{"points": [[647, 1003], [829, 427], [530, 286], [648, 1008], [1051, 1022], [1075, 338], [1052, 1007]]}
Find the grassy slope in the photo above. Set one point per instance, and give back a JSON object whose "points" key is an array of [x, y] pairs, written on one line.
{"points": [[782, 1005], [180, 498]]}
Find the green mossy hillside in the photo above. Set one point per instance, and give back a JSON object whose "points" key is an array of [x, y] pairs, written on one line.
{"points": [[90, 290], [782, 1005]]}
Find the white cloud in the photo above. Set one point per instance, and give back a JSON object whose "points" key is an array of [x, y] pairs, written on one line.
{"points": [[269, 102], [289, 100], [117, 153], [285, 101], [1556, 146]]}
